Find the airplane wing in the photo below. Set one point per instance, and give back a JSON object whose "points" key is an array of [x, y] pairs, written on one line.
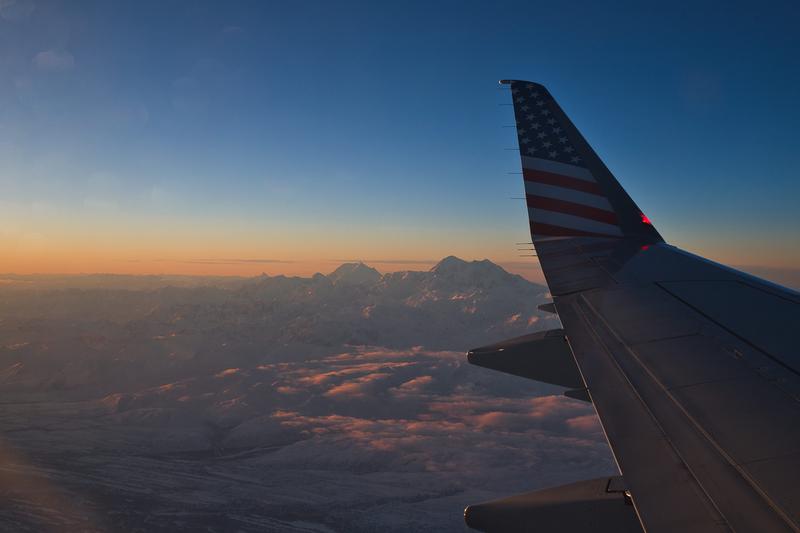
{"points": [[693, 367]]}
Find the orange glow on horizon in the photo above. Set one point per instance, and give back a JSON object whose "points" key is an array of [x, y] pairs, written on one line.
{"points": [[235, 267], [171, 245], [208, 247]]}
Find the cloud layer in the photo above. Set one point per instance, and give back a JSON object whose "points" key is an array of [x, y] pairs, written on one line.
{"points": [[257, 404]]}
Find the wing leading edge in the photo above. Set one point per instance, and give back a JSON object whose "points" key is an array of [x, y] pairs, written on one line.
{"points": [[699, 395]]}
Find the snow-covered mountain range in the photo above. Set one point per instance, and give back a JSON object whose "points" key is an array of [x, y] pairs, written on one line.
{"points": [[61, 338]]}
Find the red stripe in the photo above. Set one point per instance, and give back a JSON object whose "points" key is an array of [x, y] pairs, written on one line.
{"points": [[537, 228], [571, 208], [558, 180]]}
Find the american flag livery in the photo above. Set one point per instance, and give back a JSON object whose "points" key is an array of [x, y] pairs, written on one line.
{"points": [[569, 192]]}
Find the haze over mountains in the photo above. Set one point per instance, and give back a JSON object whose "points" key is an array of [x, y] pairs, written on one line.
{"points": [[340, 402]]}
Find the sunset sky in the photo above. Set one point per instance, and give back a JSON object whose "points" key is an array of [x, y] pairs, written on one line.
{"points": [[287, 137]]}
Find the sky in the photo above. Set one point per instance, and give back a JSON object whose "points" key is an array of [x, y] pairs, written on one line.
{"points": [[287, 137]]}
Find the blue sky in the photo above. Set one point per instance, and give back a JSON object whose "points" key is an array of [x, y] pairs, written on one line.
{"points": [[146, 135]]}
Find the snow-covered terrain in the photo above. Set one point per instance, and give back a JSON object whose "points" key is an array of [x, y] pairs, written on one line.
{"points": [[331, 403]]}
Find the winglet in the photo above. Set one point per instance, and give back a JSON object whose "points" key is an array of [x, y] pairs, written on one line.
{"points": [[569, 191]]}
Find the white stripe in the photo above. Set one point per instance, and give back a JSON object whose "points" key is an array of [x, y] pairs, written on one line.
{"points": [[557, 168], [573, 222], [568, 195]]}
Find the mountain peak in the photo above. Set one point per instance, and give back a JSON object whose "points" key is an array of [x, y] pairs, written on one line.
{"points": [[481, 273], [452, 263], [355, 274], [449, 263]]}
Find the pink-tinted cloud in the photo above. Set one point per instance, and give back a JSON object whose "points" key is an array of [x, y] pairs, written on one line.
{"points": [[363, 368], [586, 424], [415, 385], [357, 387]]}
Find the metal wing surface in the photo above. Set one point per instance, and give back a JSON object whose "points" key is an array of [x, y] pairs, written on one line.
{"points": [[693, 367]]}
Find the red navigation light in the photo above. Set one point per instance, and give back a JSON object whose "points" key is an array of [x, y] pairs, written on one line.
{"points": [[645, 220]]}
